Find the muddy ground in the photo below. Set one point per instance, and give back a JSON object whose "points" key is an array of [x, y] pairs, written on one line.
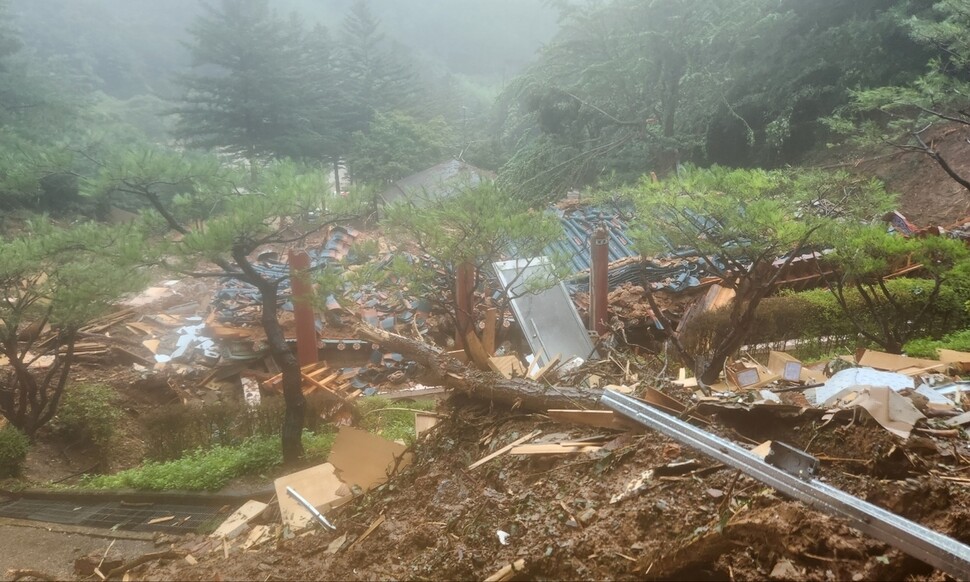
{"points": [[699, 521]]}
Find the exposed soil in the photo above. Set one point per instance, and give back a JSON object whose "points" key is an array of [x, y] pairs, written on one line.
{"points": [[709, 523], [928, 196]]}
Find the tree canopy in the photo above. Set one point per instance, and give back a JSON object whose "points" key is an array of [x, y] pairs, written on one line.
{"points": [[746, 226]]}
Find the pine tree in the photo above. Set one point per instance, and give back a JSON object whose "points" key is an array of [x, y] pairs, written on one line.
{"points": [[243, 95]]}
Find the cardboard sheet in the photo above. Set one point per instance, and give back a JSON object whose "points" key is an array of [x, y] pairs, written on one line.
{"points": [[362, 459], [894, 412], [893, 362], [319, 485]]}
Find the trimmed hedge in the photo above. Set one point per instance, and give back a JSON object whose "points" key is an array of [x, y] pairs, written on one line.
{"points": [[13, 451], [816, 313]]}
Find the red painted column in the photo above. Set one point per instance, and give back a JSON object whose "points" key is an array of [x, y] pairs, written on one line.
{"points": [[599, 245], [306, 330], [464, 287]]}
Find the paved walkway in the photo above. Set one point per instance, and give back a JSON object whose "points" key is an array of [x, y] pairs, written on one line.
{"points": [[52, 549]]}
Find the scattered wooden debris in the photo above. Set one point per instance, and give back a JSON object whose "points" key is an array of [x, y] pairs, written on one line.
{"points": [[319, 377], [373, 526], [505, 449], [161, 519], [166, 555], [507, 366], [594, 418], [424, 422], [236, 523], [564, 448], [551, 364]]}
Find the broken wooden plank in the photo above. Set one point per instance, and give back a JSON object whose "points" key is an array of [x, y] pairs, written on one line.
{"points": [[545, 369], [326, 389], [488, 334], [236, 523], [424, 422], [161, 519], [255, 536], [553, 449], [505, 449], [376, 524], [507, 572], [476, 351], [507, 366], [594, 418]]}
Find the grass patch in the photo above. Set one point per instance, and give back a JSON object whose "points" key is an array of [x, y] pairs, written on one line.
{"points": [[929, 348], [389, 419], [210, 469]]}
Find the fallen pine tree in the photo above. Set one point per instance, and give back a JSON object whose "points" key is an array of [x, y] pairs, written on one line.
{"points": [[518, 393]]}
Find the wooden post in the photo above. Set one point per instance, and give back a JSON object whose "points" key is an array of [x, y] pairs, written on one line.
{"points": [[464, 287], [599, 280], [306, 330], [488, 334]]}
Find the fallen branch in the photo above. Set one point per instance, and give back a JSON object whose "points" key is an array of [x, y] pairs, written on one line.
{"points": [[144, 559], [515, 393]]}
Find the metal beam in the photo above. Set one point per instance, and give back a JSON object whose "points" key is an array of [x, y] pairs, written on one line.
{"points": [[932, 547]]}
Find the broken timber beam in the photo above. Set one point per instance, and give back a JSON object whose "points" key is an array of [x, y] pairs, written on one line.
{"points": [[922, 543], [516, 392]]}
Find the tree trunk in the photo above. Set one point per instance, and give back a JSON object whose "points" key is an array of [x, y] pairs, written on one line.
{"points": [[336, 175], [516, 393], [735, 337], [295, 402]]}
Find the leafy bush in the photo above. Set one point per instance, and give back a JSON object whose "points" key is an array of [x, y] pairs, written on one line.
{"points": [[87, 414], [815, 314], [13, 451], [212, 469], [173, 430]]}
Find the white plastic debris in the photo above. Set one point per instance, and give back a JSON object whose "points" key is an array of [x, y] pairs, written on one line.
{"points": [[503, 537]]}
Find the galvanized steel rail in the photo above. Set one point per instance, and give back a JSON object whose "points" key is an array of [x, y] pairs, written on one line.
{"points": [[932, 547]]}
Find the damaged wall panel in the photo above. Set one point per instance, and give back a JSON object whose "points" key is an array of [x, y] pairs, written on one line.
{"points": [[548, 318]]}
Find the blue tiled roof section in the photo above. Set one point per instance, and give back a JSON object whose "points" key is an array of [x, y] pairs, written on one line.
{"points": [[578, 225], [676, 272]]}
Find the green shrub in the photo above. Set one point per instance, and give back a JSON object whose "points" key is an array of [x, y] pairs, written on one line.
{"points": [[13, 451], [173, 430], [212, 469], [87, 414], [928, 347], [816, 314]]}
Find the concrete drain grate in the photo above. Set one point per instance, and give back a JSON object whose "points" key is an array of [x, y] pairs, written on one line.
{"points": [[116, 515]]}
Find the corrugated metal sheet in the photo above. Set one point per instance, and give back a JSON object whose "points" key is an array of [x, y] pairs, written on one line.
{"points": [[676, 273], [578, 225]]}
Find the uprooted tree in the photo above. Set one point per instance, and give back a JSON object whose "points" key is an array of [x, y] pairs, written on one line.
{"points": [[463, 234], [885, 313], [746, 227], [215, 219], [58, 280]]}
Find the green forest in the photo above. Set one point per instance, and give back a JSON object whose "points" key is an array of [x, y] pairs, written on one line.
{"points": [[552, 96]]}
